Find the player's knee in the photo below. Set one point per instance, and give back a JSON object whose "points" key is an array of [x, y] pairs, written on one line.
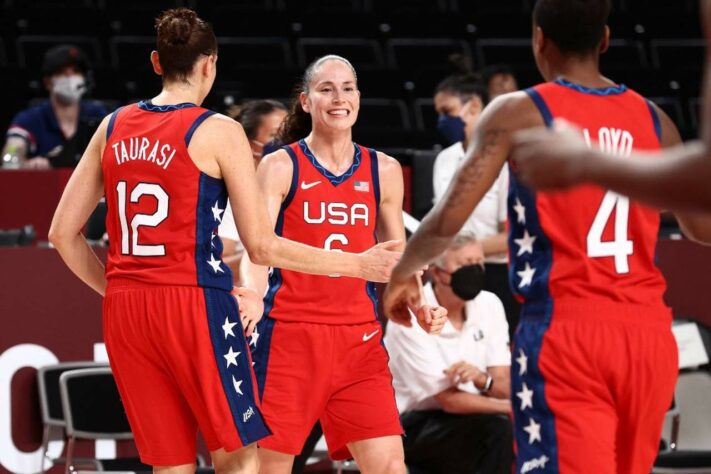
{"points": [[239, 463], [395, 465]]}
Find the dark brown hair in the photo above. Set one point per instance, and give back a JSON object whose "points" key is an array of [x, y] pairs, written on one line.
{"points": [[575, 26], [297, 124], [252, 113], [182, 37]]}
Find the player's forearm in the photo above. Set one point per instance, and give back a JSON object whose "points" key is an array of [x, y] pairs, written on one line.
{"points": [[253, 276], [495, 244], [425, 245], [678, 179], [81, 260], [464, 403], [298, 257]]}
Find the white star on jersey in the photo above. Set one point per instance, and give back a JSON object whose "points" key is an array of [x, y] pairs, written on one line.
{"points": [[522, 362], [526, 397], [237, 384], [525, 243], [534, 431], [227, 327], [212, 237], [231, 357], [217, 212], [255, 337], [520, 212], [215, 264], [526, 275]]}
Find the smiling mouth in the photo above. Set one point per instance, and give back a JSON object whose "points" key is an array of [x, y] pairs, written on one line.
{"points": [[339, 112]]}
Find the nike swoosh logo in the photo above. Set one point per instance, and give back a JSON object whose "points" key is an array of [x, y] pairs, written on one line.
{"points": [[305, 185], [368, 337]]}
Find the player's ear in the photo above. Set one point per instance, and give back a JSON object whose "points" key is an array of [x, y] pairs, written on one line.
{"points": [[539, 39], [155, 61], [605, 42], [303, 99]]}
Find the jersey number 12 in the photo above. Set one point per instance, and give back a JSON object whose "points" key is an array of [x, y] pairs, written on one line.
{"points": [[147, 220]]}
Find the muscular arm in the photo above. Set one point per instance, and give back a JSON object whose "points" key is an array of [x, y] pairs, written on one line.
{"points": [[390, 223], [80, 197], [487, 154]]}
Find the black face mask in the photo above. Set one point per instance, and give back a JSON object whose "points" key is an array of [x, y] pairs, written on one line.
{"points": [[468, 281]]}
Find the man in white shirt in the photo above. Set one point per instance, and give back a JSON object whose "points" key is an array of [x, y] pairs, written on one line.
{"points": [[452, 390], [459, 100]]}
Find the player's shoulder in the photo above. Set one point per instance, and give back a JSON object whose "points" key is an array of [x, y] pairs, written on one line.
{"points": [[278, 161], [515, 110], [387, 164]]}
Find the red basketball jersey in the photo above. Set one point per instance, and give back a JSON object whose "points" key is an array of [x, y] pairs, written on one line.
{"points": [[338, 213], [162, 210], [587, 245]]}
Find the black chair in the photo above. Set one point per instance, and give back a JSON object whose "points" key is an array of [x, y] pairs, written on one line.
{"points": [[31, 49], [93, 410], [515, 52], [411, 55], [364, 53], [672, 107], [383, 114], [678, 54], [17, 237], [51, 409]]}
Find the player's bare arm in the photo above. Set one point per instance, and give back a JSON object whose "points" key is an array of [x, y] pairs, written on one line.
{"points": [[80, 197], [487, 154], [225, 140]]}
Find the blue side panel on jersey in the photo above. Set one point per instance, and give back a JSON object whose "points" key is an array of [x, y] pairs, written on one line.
{"points": [[235, 371], [212, 202], [528, 340], [261, 349], [198, 121], [112, 121], [292, 187], [542, 106], [655, 121], [375, 176]]}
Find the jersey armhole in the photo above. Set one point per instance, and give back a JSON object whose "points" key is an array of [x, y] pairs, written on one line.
{"points": [[541, 105], [655, 120], [375, 174], [294, 180], [196, 123], [112, 123]]}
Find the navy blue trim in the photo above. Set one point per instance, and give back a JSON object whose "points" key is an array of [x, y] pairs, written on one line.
{"points": [[375, 176], [374, 171], [616, 90], [542, 106], [246, 415], [112, 120], [149, 106], [210, 190], [335, 180], [292, 187], [198, 121], [655, 120], [260, 354]]}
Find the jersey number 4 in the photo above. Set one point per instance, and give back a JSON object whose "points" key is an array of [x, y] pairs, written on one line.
{"points": [[621, 247], [147, 220]]}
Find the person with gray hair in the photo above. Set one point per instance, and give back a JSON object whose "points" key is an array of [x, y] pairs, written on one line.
{"points": [[452, 390]]}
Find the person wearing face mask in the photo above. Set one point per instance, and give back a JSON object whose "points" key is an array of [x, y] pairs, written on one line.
{"points": [[261, 120], [452, 390], [459, 99], [38, 135]]}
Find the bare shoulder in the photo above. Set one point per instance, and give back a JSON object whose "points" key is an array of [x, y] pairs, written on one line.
{"points": [[219, 123], [513, 111], [277, 163], [388, 166]]}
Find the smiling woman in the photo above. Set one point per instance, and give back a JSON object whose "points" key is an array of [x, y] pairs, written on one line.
{"points": [[324, 190]]}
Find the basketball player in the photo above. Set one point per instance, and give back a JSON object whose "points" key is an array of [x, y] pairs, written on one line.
{"points": [[595, 361], [172, 328], [679, 181], [318, 354]]}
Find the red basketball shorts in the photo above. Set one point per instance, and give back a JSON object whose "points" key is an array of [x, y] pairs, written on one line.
{"points": [[590, 385], [337, 374], [181, 361]]}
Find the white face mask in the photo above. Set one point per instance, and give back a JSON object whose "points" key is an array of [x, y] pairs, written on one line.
{"points": [[69, 89]]}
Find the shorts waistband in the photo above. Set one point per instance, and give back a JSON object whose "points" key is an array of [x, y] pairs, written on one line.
{"points": [[126, 284], [600, 311]]}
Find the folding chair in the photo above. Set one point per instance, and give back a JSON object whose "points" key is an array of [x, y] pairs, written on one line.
{"points": [[51, 403], [93, 410]]}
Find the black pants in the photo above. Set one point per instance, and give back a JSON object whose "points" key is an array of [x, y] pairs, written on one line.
{"points": [[438, 442], [497, 282]]}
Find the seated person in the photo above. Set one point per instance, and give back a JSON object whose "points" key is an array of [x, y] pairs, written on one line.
{"points": [[452, 390], [499, 79], [38, 135]]}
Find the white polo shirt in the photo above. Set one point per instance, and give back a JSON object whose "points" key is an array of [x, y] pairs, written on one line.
{"points": [[484, 221], [418, 360]]}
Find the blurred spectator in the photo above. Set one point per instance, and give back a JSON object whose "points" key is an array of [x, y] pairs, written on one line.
{"points": [[55, 132], [499, 79], [459, 100], [261, 120], [452, 390]]}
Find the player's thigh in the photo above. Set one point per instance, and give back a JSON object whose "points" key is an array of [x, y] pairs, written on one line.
{"points": [[382, 455]]}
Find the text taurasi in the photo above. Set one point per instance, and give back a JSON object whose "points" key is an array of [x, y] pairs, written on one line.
{"points": [[138, 148]]}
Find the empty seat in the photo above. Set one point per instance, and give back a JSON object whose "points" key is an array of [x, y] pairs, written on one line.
{"points": [[694, 111], [383, 114], [625, 53], [515, 52], [245, 53], [672, 55], [363, 53], [424, 112], [413, 54], [31, 49], [3, 54], [132, 52], [672, 107]]}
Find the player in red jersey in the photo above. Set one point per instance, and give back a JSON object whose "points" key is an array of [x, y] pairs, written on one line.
{"points": [[172, 328], [595, 359], [318, 352]]}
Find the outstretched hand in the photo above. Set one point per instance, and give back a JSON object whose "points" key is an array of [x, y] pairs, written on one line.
{"points": [[549, 159], [378, 261]]}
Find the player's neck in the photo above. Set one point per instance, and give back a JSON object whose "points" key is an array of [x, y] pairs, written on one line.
{"points": [[334, 150], [584, 71], [177, 94]]}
